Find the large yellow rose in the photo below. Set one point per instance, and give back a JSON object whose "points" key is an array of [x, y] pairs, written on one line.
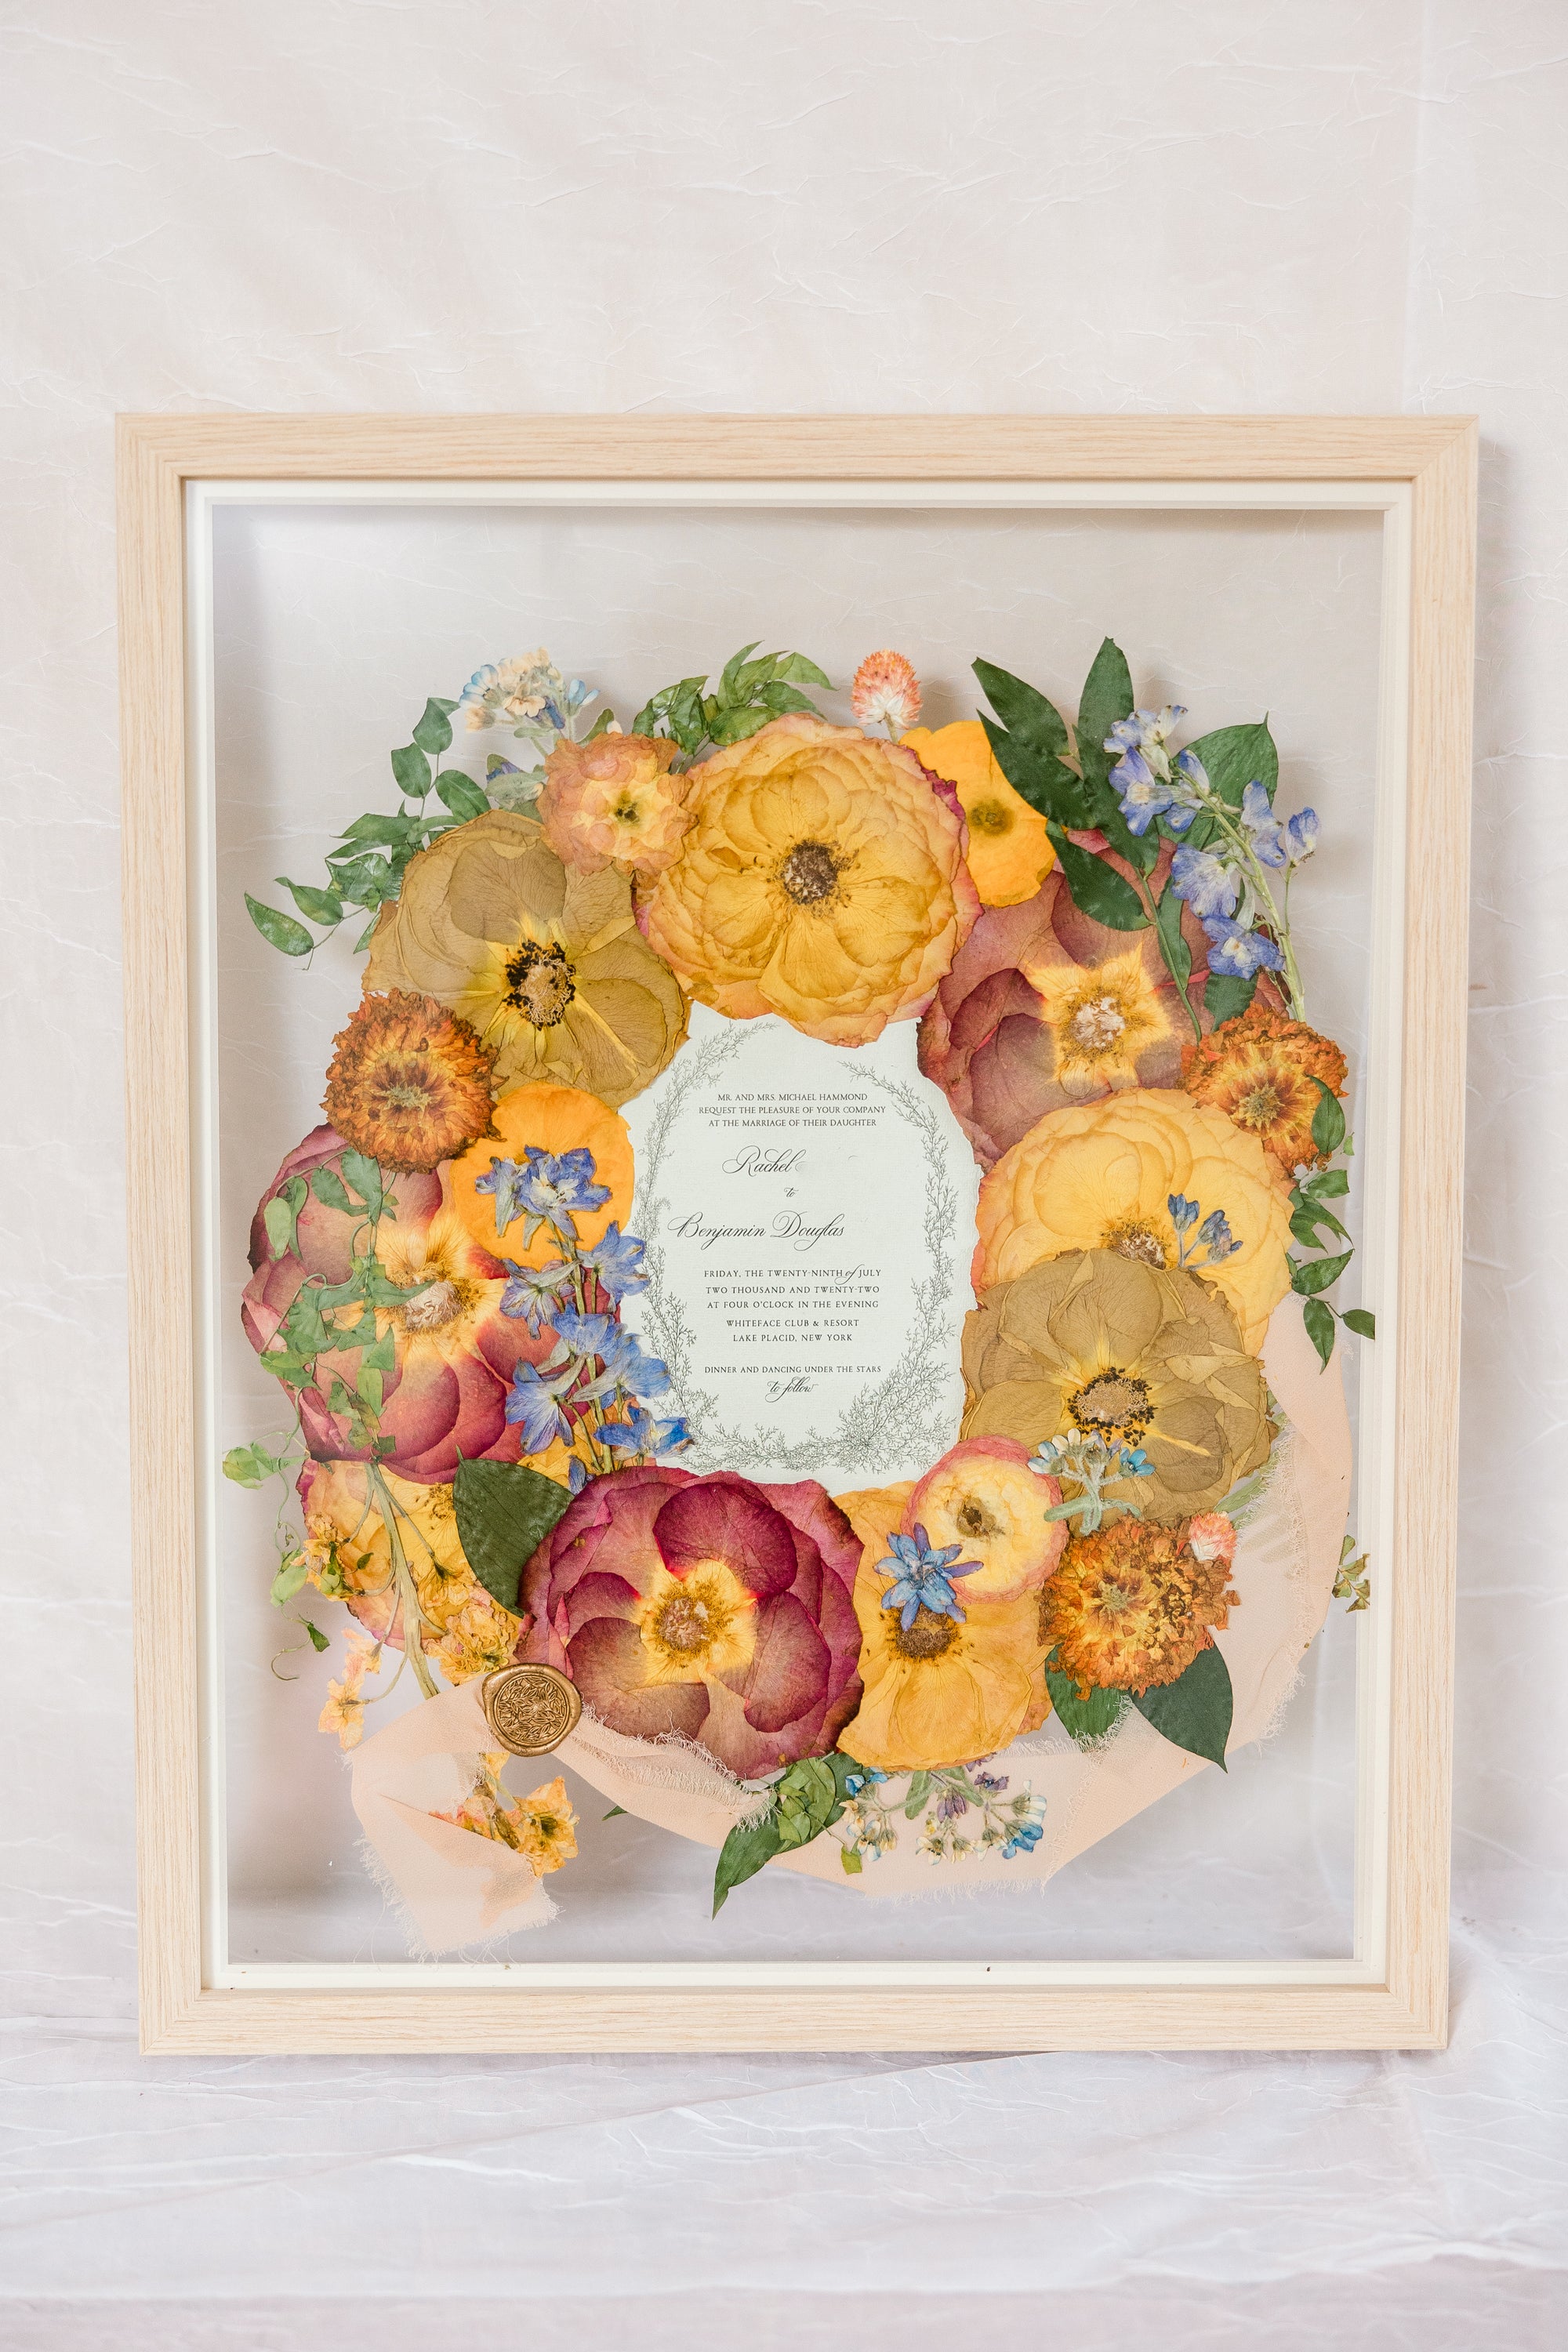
{"points": [[822, 879], [546, 963], [1103, 1177], [1010, 852]]}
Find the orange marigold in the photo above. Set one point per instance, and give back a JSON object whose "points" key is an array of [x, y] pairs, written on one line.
{"points": [[409, 1083], [613, 799], [1260, 1070], [1132, 1605]]}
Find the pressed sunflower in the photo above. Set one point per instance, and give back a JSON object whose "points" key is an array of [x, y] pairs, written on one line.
{"points": [[1010, 852], [822, 879], [409, 1084], [544, 961], [1137, 1355], [1105, 1176], [1131, 1607], [615, 801], [1263, 1071]]}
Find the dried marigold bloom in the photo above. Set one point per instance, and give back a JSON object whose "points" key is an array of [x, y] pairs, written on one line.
{"points": [[886, 692], [1261, 1070], [1132, 1605], [409, 1083]]}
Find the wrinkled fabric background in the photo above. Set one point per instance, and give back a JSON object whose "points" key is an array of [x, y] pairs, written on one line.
{"points": [[1078, 204]]}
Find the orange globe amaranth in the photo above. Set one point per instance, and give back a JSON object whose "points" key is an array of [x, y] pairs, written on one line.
{"points": [[557, 1120], [822, 879], [1010, 852]]}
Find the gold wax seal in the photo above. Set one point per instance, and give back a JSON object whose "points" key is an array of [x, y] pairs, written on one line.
{"points": [[530, 1709]]}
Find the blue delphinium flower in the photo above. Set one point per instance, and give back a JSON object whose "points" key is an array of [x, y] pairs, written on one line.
{"points": [[1023, 1839], [1217, 1237], [639, 1432], [584, 1335], [535, 1292], [855, 1782], [1238, 953], [1183, 1212], [1264, 829], [1208, 885], [1149, 782], [576, 1474], [925, 1576], [1302, 834], [616, 1258], [627, 1369], [533, 1406]]}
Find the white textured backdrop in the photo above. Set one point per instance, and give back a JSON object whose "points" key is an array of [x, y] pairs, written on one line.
{"points": [[1135, 205]]}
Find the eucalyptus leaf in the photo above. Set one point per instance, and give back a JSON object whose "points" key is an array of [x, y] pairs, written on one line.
{"points": [[1194, 1712], [504, 1512], [280, 931]]}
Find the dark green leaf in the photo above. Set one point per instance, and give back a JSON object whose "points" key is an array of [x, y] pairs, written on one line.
{"points": [[504, 1510], [1328, 1184], [280, 931], [1194, 1712], [1027, 714], [1318, 1317], [321, 906], [776, 697], [1362, 1321], [734, 726], [319, 1640], [461, 795], [744, 1851], [807, 1799], [368, 934], [1086, 1720], [729, 683], [615, 1812], [1235, 757], [412, 769], [1106, 697], [1178, 955], [380, 832], [1308, 1278], [1038, 777], [1328, 1120], [327, 1188], [1095, 887], [1226, 997], [1307, 1220], [434, 732]]}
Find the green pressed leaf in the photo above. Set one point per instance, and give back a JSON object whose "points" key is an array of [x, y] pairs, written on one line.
{"points": [[1024, 712], [1308, 1277], [363, 881], [916, 1795], [374, 832], [734, 726], [1309, 1218], [322, 905], [461, 795], [327, 1188], [319, 1640], [251, 1465], [807, 1800], [1235, 757], [1328, 1120], [370, 1390], [434, 732], [1038, 777], [1107, 696], [1318, 1317], [744, 1851], [381, 1356], [412, 769], [1362, 1321], [729, 682], [776, 697], [281, 1214], [1328, 1184], [280, 931], [504, 1510], [1226, 997], [364, 1175], [1095, 887], [601, 725], [850, 1857], [795, 669], [615, 1813], [1178, 955], [368, 934], [1089, 1720], [1194, 1712], [288, 1580]]}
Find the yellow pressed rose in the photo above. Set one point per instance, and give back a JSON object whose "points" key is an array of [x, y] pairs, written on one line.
{"points": [[942, 1692], [822, 879], [1010, 852], [1137, 1355], [1102, 1177], [544, 962]]}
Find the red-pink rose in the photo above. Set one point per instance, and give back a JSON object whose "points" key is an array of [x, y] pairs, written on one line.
{"points": [[454, 1351], [707, 1607]]}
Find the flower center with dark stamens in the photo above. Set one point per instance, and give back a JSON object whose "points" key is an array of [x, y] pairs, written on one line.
{"points": [[626, 810], [540, 984], [1113, 1404], [1099, 1025], [990, 816], [810, 873], [974, 1520], [930, 1636], [1135, 1241]]}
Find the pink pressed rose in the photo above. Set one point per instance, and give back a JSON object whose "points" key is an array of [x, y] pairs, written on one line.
{"points": [[453, 1353], [705, 1607]]}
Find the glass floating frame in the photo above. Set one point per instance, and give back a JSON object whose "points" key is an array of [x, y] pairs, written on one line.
{"points": [[1417, 473]]}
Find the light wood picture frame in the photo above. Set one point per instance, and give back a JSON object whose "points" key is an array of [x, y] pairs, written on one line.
{"points": [[1419, 474]]}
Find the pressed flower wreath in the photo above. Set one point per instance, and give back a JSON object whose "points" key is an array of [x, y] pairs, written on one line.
{"points": [[1092, 930]]}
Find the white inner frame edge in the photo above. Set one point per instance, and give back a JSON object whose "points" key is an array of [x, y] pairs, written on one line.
{"points": [[1378, 1244]]}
